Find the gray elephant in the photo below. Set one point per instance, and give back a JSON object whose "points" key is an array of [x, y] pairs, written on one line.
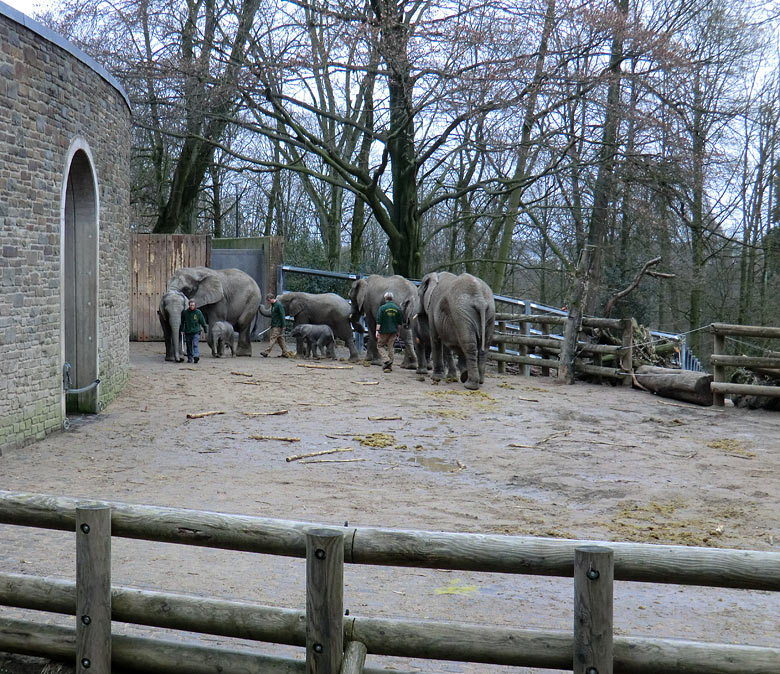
{"points": [[221, 294], [172, 303], [322, 309], [460, 311], [314, 337], [421, 336], [221, 335], [366, 295]]}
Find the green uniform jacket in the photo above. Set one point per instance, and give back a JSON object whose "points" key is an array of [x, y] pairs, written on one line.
{"points": [[388, 318], [192, 321], [277, 315]]}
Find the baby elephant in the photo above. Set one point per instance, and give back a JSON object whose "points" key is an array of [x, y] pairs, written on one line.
{"points": [[221, 336], [314, 336]]}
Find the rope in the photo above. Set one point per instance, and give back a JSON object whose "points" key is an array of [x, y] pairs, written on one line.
{"points": [[752, 346]]}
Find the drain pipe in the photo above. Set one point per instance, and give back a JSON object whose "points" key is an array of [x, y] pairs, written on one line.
{"points": [[66, 382]]}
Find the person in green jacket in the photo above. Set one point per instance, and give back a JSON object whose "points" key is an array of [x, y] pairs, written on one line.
{"points": [[191, 323], [388, 323], [277, 325]]}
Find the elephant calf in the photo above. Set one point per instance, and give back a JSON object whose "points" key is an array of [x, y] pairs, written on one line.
{"points": [[315, 336], [221, 336]]}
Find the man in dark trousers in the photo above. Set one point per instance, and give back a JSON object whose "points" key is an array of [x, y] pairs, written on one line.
{"points": [[191, 323], [277, 325], [388, 322]]}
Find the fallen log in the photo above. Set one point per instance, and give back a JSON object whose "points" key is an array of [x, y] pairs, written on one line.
{"points": [[685, 385]]}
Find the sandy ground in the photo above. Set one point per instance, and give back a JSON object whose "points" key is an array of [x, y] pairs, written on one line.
{"points": [[521, 456]]}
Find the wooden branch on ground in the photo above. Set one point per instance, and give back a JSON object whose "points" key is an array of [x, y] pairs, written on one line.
{"points": [[265, 414], [332, 460], [243, 374], [296, 457], [273, 437], [200, 415], [620, 295], [385, 418], [325, 367]]}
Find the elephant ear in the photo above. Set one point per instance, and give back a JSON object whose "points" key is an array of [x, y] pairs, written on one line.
{"points": [[292, 305], [359, 291], [209, 288], [425, 291]]}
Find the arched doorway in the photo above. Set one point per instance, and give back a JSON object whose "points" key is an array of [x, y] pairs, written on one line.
{"points": [[79, 278]]}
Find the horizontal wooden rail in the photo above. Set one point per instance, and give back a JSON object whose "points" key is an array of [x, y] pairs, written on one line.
{"points": [[382, 636], [720, 360], [746, 569], [745, 389], [745, 330], [142, 654], [555, 344], [548, 319], [745, 361]]}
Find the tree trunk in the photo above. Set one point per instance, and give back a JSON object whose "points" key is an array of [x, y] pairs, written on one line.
{"points": [[603, 190], [511, 208], [686, 385]]}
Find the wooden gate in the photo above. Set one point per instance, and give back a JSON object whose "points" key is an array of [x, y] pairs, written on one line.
{"points": [[153, 259]]}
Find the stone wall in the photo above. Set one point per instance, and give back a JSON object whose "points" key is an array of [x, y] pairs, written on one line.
{"points": [[53, 98]]}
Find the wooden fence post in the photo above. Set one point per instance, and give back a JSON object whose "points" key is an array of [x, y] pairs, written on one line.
{"points": [[718, 370], [93, 590], [324, 601], [501, 347], [525, 330], [593, 582], [354, 658], [626, 357]]}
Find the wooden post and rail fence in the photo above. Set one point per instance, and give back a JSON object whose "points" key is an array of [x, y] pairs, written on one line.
{"points": [[521, 339], [338, 644], [721, 360]]}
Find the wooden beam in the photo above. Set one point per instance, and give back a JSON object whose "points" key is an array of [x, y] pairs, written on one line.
{"points": [[93, 590], [747, 569], [745, 330], [746, 389], [324, 601], [593, 592], [745, 361], [382, 636]]}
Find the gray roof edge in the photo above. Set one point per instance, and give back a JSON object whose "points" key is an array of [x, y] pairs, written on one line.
{"points": [[57, 39]]}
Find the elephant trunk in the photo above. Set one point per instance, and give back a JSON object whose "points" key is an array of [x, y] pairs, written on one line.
{"points": [[175, 323]]}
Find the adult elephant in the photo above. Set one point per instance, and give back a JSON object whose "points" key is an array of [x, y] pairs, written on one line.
{"points": [[221, 294], [323, 309], [367, 295], [460, 311]]}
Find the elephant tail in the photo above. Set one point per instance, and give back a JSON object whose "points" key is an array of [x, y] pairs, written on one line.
{"points": [[482, 316]]}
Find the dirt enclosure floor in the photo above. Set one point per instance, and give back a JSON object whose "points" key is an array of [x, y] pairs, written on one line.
{"points": [[521, 456]]}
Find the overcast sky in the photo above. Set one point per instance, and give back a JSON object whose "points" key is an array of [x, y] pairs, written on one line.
{"points": [[26, 6]]}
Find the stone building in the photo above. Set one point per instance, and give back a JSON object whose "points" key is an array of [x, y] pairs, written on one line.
{"points": [[64, 209]]}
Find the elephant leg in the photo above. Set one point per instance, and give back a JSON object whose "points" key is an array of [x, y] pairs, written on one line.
{"points": [[301, 347], [449, 363], [481, 364], [372, 353], [468, 364], [437, 357], [350, 342], [244, 345], [422, 361], [410, 357]]}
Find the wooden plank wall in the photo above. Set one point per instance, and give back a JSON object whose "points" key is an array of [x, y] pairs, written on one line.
{"points": [[153, 259]]}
